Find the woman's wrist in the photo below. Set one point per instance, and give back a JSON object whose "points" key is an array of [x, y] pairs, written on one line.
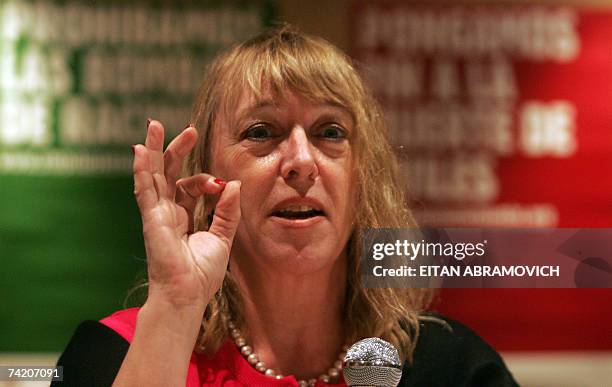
{"points": [[162, 346]]}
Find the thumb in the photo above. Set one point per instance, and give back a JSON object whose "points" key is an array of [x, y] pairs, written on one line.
{"points": [[227, 214]]}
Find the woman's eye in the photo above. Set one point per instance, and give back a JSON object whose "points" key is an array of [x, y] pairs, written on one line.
{"points": [[333, 132], [258, 132]]}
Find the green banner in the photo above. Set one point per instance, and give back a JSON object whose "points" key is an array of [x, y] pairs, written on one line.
{"points": [[77, 83]]}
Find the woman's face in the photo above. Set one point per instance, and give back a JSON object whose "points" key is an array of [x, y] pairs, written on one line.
{"points": [[295, 162]]}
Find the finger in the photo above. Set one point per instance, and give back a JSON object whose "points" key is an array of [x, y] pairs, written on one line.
{"points": [[144, 188], [175, 154], [192, 187], [189, 189], [227, 214], [155, 144]]}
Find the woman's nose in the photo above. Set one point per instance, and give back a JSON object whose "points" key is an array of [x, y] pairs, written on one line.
{"points": [[298, 160]]}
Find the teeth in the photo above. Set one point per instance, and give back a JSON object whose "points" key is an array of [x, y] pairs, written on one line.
{"points": [[297, 209]]}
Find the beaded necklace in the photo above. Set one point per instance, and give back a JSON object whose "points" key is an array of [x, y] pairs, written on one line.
{"points": [[332, 375]]}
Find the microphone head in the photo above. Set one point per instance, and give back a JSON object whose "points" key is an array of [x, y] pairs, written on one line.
{"points": [[372, 362]]}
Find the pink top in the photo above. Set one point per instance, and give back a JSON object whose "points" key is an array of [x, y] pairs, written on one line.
{"points": [[227, 367]]}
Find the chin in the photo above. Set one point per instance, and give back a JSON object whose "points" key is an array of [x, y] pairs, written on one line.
{"points": [[302, 260]]}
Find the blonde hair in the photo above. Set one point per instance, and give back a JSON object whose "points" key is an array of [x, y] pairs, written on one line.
{"points": [[283, 58]]}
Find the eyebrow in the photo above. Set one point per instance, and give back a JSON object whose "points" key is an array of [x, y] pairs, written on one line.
{"points": [[267, 102], [257, 106], [343, 110]]}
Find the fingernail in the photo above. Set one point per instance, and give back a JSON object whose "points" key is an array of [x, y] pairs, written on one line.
{"points": [[134, 149], [220, 182], [148, 122], [188, 126]]}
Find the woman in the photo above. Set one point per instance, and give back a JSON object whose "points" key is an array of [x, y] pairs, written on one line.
{"points": [[287, 162]]}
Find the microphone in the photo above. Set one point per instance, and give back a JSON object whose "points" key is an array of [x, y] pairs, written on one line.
{"points": [[372, 362]]}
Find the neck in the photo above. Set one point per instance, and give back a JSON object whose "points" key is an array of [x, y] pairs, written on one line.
{"points": [[294, 321]]}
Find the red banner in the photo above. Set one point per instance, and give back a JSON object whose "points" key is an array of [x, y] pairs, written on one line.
{"points": [[502, 116]]}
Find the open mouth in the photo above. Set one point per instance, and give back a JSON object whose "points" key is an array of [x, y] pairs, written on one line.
{"points": [[298, 212]]}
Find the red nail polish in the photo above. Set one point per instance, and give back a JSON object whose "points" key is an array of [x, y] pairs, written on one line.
{"points": [[220, 182], [133, 149], [148, 122]]}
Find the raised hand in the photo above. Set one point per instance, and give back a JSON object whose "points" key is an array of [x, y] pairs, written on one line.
{"points": [[185, 268]]}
